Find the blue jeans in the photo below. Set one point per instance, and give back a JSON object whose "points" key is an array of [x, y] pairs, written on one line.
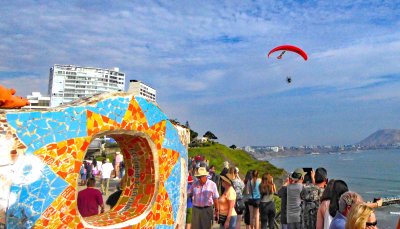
{"points": [[232, 223]]}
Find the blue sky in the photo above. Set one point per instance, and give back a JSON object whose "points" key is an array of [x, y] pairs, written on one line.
{"points": [[207, 60]]}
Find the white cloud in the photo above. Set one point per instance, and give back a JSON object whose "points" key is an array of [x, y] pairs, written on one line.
{"points": [[210, 52], [26, 84]]}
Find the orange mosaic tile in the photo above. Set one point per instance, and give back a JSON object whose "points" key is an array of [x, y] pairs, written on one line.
{"points": [[151, 147]]}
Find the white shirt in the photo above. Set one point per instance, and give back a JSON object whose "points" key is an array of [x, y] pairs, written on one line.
{"points": [[106, 170]]}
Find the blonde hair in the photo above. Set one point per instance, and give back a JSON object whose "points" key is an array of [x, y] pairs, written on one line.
{"points": [[267, 185], [358, 216]]}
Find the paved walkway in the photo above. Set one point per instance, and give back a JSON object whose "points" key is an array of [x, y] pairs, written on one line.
{"points": [[113, 187]]}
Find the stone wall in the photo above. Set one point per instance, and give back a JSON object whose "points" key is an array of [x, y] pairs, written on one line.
{"points": [[42, 151]]}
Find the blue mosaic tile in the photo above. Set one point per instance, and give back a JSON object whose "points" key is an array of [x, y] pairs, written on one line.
{"points": [[31, 121], [37, 205], [48, 139], [171, 185], [34, 198], [115, 109], [41, 131], [35, 115], [73, 127], [153, 114], [164, 226], [172, 140]]}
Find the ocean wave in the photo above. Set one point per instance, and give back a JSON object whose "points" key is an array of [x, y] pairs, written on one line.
{"points": [[347, 159], [374, 192], [375, 179]]}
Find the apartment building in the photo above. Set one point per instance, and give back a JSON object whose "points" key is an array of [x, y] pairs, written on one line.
{"points": [[37, 101], [70, 82], [138, 88]]}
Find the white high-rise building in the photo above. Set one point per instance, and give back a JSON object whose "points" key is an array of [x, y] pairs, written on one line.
{"points": [[138, 88], [37, 101], [70, 82]]}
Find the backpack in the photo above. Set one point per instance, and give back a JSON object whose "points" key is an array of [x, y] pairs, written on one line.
{"points": [[310, 195]]}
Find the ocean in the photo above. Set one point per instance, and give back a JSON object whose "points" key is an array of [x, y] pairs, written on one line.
{"points": [[372, 174]]}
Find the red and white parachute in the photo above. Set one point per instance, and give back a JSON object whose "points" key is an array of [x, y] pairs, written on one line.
{"points": [[290, 48]]}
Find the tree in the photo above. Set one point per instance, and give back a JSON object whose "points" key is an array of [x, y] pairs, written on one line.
{"points": [[210, 135], [193, 135], [233, 147]]}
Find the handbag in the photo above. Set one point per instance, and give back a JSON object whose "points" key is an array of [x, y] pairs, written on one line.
{"points": [[222, 219], [239, 206]]}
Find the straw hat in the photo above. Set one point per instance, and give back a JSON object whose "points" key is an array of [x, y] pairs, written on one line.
{"points": [[201, 171], [227, 178]]}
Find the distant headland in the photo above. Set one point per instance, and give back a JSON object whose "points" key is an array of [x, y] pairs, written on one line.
{"points": [[381, 139]]}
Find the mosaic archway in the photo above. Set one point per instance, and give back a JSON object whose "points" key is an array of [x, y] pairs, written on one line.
{"points": [[45, 149]]}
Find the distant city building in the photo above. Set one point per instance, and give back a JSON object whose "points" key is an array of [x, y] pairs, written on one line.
{"points": [[274, 148], [38, 101], [249, 149], [69, 82], [138, 88]]}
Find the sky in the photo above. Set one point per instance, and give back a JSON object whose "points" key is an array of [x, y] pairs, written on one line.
{"points": [[208, 61]]}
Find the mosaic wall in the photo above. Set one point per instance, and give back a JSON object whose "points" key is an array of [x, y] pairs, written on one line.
{"points": [[42, 151]]}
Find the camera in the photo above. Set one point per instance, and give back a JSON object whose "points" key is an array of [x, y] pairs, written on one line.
{"points": [[307, 177]]}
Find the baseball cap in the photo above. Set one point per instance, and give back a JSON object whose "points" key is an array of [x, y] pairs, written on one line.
{"points": [[297, 174], [190, 179]]}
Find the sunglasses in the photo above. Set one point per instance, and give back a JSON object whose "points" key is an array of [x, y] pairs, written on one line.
{"points": [[368, 224]]}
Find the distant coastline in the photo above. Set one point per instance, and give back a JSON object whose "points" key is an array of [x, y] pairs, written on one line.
{"points": [[265, 152], [382, 139]]}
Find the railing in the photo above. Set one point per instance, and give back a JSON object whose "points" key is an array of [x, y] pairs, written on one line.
{"points": [[389, 200]]}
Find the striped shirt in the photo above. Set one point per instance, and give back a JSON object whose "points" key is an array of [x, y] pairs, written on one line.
{"points": [[203, 195]]}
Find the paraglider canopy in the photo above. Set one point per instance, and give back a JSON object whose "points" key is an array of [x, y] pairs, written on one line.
{"points": [[291, 48]]}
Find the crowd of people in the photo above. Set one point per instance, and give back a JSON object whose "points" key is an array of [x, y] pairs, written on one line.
{"points": [[309, 200], [90, 200]]}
